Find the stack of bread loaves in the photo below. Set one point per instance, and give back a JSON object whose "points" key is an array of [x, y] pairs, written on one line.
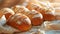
{"points": [[20, 18]]}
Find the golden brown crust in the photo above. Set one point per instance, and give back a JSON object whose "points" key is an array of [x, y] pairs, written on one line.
{"points": [[35, 17], [7, 12], [20, 22]]}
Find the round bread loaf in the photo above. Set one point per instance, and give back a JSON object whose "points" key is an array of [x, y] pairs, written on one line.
{"points": [[20, 22]]}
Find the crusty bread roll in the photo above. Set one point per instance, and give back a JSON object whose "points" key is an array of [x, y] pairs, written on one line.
{"points": [[36, 17], [35, 3], [46, 10], [7, 12], [5, 29], [20, 22]]}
